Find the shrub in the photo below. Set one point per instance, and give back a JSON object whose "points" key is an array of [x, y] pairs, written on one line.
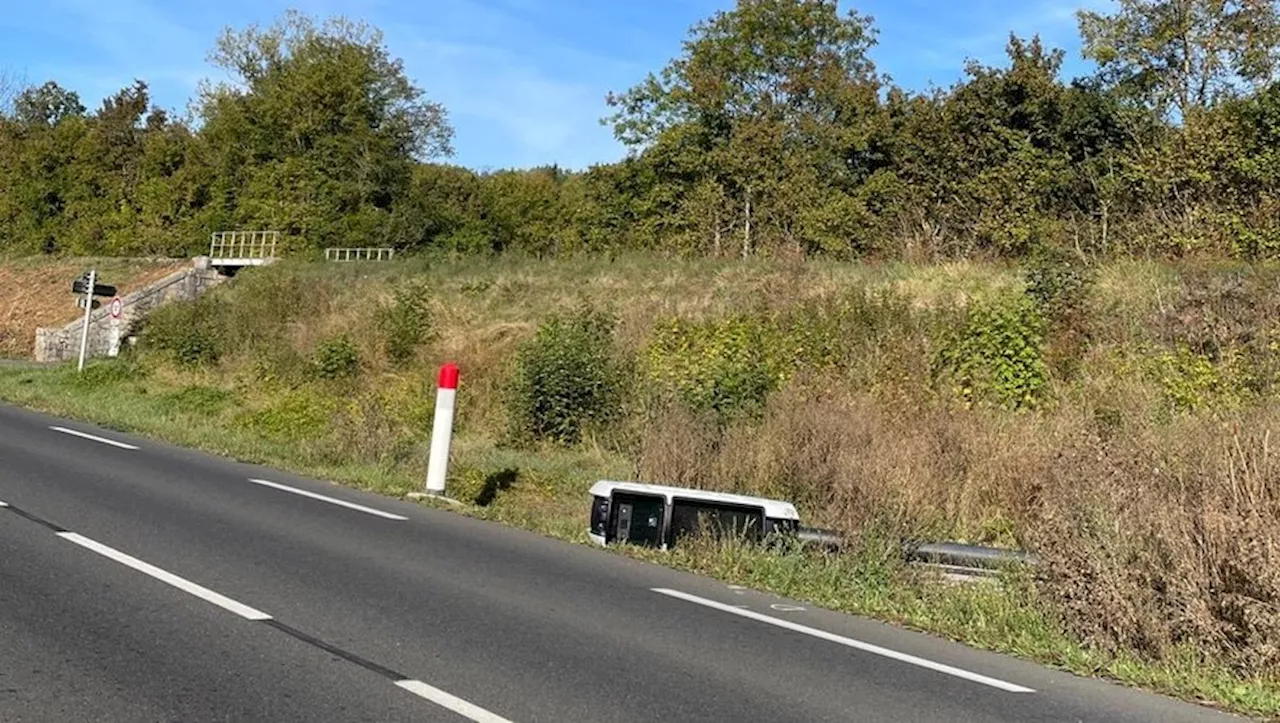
{"points": [[189, 333], [729, 366], [1058, 280], [568, 378], [336, 358], [996, 355], [264, 301], [406, 322]]}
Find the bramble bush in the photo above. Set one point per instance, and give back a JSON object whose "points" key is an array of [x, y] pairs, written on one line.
{"points": [[728, 366], [336, 358], [190, 333]]}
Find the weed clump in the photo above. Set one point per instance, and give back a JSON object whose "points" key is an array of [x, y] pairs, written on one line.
{"points": [[996, 355], [336, 358]]}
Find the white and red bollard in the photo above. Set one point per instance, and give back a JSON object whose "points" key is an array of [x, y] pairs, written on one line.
{"points": [[442, 429]]}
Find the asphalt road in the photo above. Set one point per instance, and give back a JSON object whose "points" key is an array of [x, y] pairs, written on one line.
{"points": [[141, 582]]}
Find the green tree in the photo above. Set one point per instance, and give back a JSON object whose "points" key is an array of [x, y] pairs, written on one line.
{"points": [[319, 135], [47, 105], [1184, 55], [759, 91]]}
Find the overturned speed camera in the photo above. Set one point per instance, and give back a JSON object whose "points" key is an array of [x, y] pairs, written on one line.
{"points": [[658, 516]]}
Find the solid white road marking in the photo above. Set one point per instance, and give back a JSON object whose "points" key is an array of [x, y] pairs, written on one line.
{"points": [[451, 702], [849, 642], [168, 578], [94, 438], [330, 500]]}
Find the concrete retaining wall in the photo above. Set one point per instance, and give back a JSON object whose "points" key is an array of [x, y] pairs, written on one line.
{"points": [[55, 344]]}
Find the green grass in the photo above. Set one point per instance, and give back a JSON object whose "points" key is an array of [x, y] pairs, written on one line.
{"points": [[545, 491]]}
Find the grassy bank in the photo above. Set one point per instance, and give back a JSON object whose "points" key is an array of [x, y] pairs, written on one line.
{"points": [[1114, 419]]}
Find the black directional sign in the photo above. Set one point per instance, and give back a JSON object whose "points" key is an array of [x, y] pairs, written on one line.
{"points": [[79, 286]]}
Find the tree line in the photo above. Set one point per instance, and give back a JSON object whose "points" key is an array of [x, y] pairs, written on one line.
{"points": [[772, 132]]}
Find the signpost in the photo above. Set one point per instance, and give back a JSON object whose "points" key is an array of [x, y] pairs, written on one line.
{"points": [[89, 287], [85, 287]]}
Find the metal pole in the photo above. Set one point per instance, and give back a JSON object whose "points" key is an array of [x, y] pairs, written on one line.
{"points": [[88, 309]]}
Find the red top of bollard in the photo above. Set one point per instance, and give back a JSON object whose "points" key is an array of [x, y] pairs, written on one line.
{"points": [[449, 376]]}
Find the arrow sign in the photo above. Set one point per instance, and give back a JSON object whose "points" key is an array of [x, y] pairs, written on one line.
{"points": [[79, 286]]}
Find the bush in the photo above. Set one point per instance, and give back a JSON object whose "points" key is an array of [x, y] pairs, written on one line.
{"points": [[729, 366], [406, 322], [189, 333], [568, 379], [1058, 280], [996, 355], [336, 358]]}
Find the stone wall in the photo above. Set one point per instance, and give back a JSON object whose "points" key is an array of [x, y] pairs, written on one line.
{"points": [[55, 344]]}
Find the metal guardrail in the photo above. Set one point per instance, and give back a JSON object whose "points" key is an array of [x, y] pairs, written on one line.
{"points": [[951, 556], [359, 254], [243, 245]]}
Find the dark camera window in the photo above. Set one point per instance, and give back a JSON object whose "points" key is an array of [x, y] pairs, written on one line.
{"points": [[689, 517]]}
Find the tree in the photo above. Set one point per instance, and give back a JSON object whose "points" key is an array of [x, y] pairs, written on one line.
{"points": [[319, 136], [767, 86], [48, 105], [1182, 55]]}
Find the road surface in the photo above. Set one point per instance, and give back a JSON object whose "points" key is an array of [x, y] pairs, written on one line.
{"points": [[142, 582]]}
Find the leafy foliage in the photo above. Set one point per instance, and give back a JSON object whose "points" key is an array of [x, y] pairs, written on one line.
{"points": [[336, 358], [727, 366], [1058, 280], [770, 133], [996, 356], [190, 333], [568, 379]]}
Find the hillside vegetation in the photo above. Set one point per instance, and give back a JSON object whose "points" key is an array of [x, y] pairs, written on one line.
{"points": [[1115, 419]]}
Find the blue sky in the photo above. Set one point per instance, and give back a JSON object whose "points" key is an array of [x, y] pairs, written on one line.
{"points": [[524, 80]]}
